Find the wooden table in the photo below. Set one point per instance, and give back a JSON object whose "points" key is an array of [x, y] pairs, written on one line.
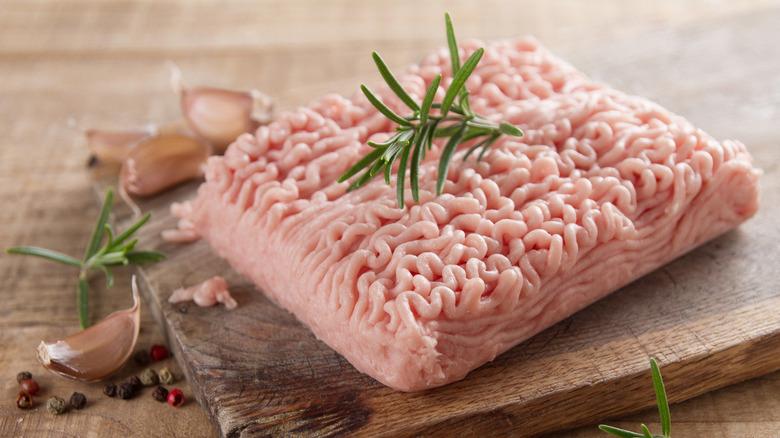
{"points": [[102, 64]]}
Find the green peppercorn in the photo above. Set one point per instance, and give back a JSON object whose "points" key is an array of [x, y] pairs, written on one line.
{"points": [[166, 376], [160, 394], [149, 377], [56, 405], [78, 400], [24, 375]]}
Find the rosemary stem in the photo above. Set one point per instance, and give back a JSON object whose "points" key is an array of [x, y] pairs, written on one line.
{"points": [[82, 299]]}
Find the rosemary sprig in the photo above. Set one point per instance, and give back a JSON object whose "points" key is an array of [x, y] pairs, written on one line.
{"points": [[415, 132], [116, 251], [663, 411]]}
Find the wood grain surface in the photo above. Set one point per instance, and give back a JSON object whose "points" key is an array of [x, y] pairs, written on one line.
{"points": [[102, 64]]}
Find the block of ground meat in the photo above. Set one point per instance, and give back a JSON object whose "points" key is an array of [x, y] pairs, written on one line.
{"points": [[603, 188]]}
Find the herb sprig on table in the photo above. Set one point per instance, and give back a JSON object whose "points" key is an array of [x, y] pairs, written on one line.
{"points": [[663, 411], [116, 251], [415, 132]]}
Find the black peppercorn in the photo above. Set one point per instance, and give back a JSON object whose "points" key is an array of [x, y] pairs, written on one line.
{"points": [[24, 375], [109, 389], [78, 400], [141, 357], [135, 382], [25, 400], [56, 405], [160, 394], [126, 391]]}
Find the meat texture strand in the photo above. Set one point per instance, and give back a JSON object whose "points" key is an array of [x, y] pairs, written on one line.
{"points": [[603, 188]]}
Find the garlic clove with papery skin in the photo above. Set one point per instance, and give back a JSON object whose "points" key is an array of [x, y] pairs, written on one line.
{"points": [[162, 162], [113, 147], [219, 116], [99, 351]]}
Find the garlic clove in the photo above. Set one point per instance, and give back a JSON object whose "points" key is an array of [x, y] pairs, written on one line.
{"points": [[99, 351], [113, 147], [220, 116], [162, 162]]}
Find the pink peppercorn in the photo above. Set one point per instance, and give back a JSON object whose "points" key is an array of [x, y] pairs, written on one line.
{"points": [[158, 352], [30, 386], [175, 398]]}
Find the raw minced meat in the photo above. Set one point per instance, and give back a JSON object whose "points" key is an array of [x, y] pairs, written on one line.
{"points": [[603, 188]]}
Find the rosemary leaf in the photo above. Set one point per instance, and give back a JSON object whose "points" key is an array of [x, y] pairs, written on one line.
{"points": [[132, 229], [620, 432], [100, 225], [646, 432], [475, 147], [391, 160], [425, 109], [452, 44], [390, 114], [362, 179], [509, 129], [360, 165], [136, 257], [459, 80], [387, 143], [486, 146], [109, 275], [374, 170], [402, 177], [663, 402], [419, 149], [446, 156], [393, 83], [46, 254]]}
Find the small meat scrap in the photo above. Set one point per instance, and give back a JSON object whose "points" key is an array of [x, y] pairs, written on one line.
{"points": [[206, 294]]}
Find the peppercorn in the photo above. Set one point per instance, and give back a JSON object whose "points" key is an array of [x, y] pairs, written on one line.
{"points": [[175, 398], [159, 352], [24, 400], [109, 389], [126, 391], [141, 357], [135, 382], [166, 376], [56, 405], [24, 375], [149, 377], [30, 386], [78, 400], [160, 394]]}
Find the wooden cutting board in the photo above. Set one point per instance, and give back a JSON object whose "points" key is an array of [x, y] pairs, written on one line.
{"points": [[710, 318]]}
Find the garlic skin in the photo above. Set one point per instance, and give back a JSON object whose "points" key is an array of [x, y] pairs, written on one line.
{"points": [[99, 351], [162, 162], [219, 116], [112, 147]]}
